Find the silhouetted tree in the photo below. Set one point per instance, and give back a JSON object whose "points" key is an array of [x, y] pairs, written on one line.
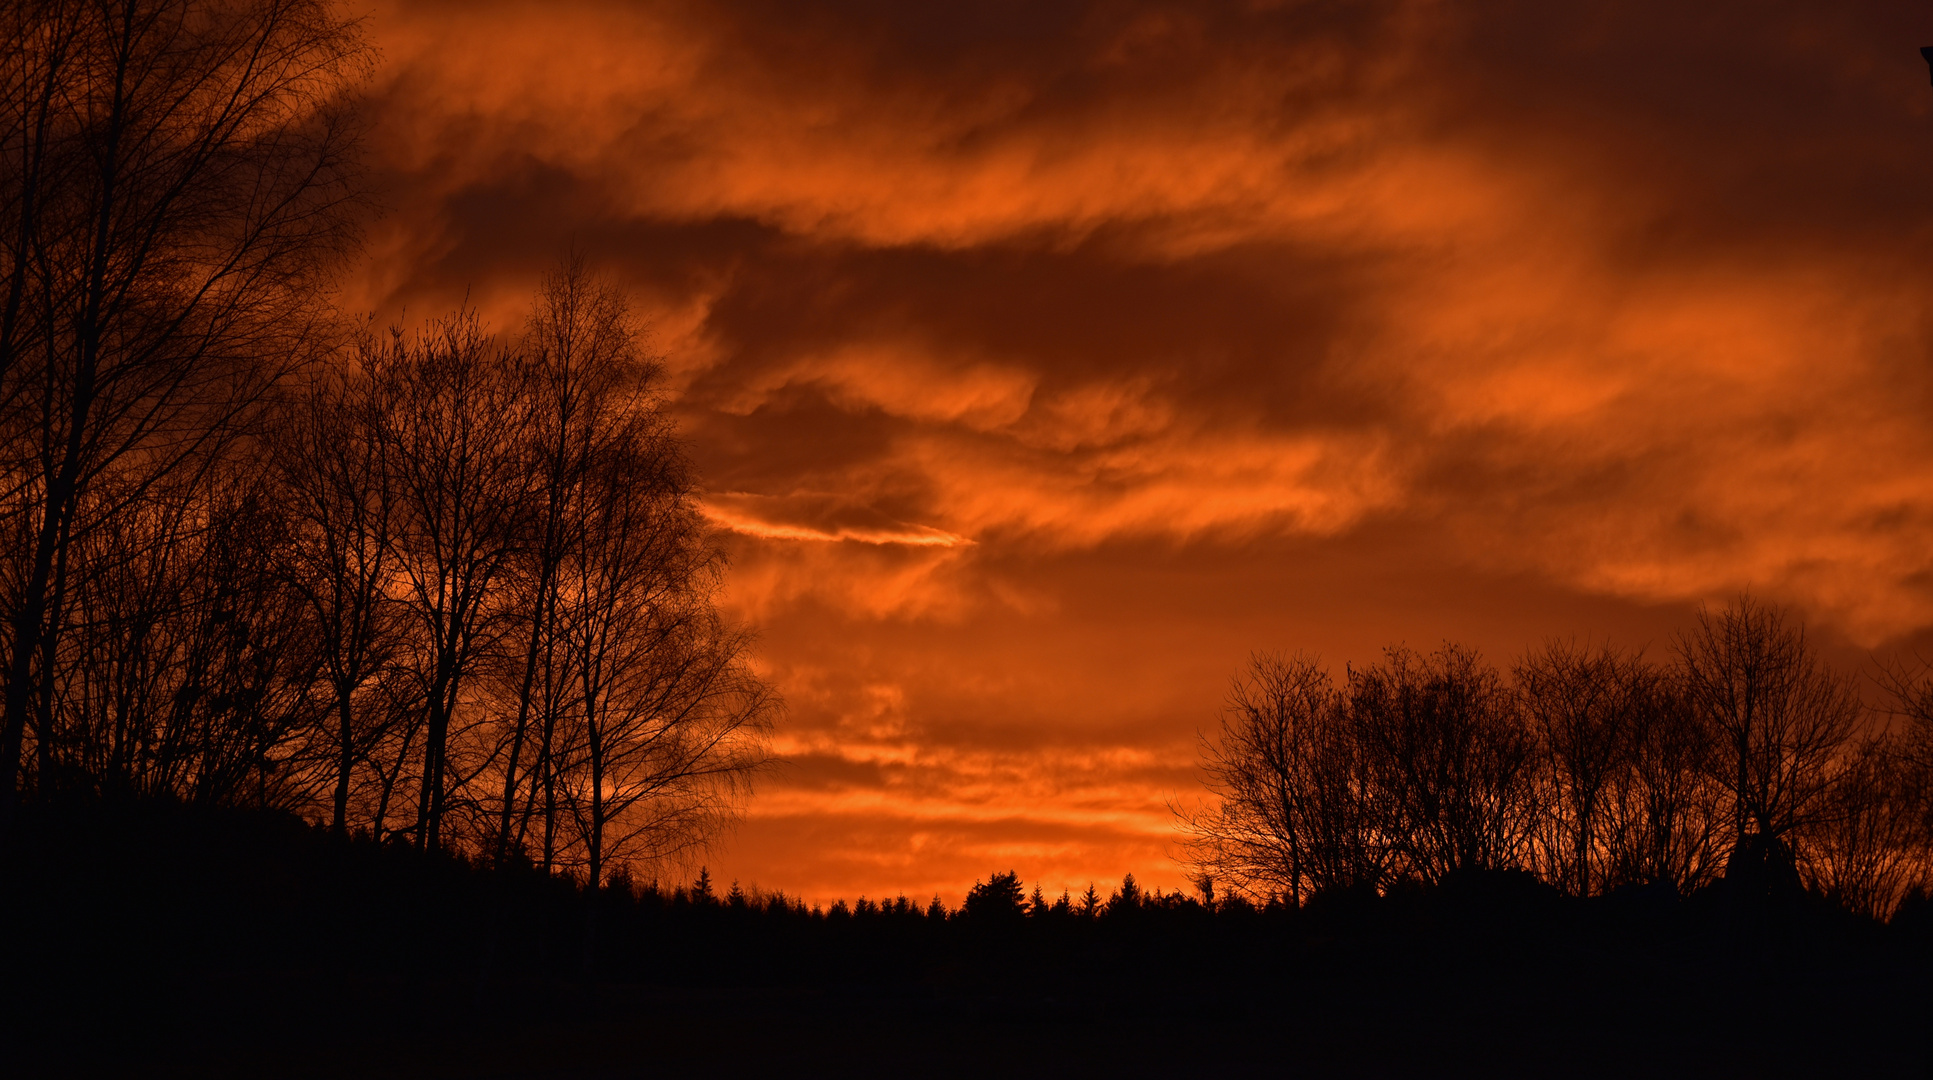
{"points": [[1296, 811], [616, 678], [337, 490], [1866, 848], [998, 899], [454, 416], [1662, 811], [186, 671], [590, 385], [1911, 688], [1596, 770], [1583, 704], [1448, 749], [1780, 722], [177, 179]]}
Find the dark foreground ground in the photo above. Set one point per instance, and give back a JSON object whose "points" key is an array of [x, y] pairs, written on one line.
{"points": [[159, 943]]}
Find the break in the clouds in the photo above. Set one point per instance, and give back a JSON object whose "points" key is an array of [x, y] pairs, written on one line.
{"points": [[1143, 334]]}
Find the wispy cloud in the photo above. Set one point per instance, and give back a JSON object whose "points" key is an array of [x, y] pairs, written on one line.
{"points": [[825, 519]]}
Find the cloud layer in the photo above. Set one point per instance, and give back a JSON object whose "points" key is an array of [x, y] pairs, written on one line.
{"points": [[1043, 358]]}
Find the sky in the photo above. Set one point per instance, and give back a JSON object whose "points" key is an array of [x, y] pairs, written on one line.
{"points": [[1042, 360]]}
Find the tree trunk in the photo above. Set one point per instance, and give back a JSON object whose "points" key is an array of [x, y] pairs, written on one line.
{"points": [[345, 754], [540, 618]]}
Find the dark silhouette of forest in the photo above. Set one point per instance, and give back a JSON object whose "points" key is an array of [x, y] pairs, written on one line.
{"points": [[177, 940], [443, 585], [1740, 761], [357, 680]]}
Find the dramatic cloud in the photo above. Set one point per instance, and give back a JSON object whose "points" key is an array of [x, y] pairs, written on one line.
{"points": [[1042, 359]]}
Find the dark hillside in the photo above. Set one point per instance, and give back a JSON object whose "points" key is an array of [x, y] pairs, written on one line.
{"points": [[156, 940]]}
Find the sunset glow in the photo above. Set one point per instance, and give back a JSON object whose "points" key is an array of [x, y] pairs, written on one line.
{"points": [[1042, 360]]}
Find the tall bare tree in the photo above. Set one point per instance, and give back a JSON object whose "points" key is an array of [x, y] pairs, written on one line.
{"points": [[669, 716], [1449, 748], [453, 427], [1583, 704], [625, 718], [1867, 850], [178, 178], [1780, 719], [186, 666], [589, 382], [1663, 814], [337, 489], [1296, 812]]}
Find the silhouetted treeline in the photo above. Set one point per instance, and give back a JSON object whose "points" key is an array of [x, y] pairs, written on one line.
{"points": [[206, 931], [1740, 757], [444, 586], [265, 890]]}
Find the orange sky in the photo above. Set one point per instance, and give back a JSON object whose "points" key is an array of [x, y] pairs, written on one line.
{"points": [[1042, 359]]}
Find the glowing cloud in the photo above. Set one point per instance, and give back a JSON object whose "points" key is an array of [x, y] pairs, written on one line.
{"points": [[1041, 363]]}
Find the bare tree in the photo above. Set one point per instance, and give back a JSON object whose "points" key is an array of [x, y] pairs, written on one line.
{"points": [[1583, 704], [337, 490], [589, 382], [178, 178], [1867, 849], [453, 419], [1448, 747], [669, 718], [1662, 812], [1780, 722], [1597, 770], [1295, 811], [1911, 688], [186, 664], [616, 675]]}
